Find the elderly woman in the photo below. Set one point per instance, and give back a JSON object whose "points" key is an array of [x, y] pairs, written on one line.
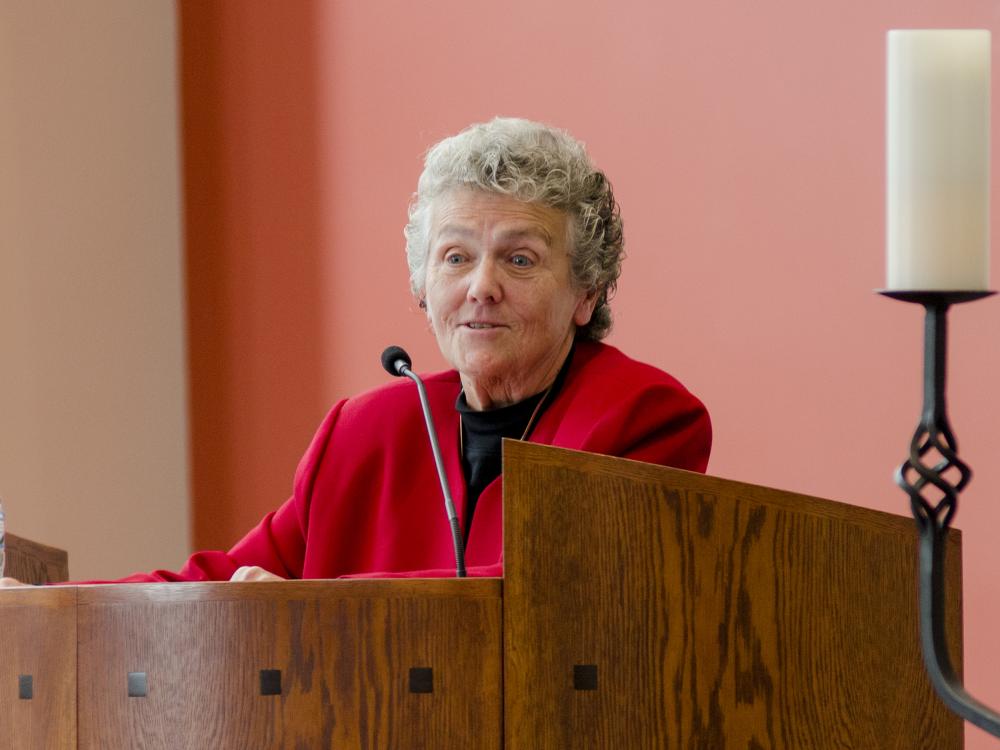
{"points": [[514, 246]]}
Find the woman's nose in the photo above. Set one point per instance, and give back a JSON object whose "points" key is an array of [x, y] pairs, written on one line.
{"points": [[484, 284]]}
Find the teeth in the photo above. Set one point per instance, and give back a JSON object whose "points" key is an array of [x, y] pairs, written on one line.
{"points": [[480, 325]]}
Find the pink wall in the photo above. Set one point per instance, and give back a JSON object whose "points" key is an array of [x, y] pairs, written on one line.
{"points": [[745, 142]]}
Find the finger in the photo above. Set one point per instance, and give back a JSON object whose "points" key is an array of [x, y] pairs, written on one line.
{"points": [[253, 573]]}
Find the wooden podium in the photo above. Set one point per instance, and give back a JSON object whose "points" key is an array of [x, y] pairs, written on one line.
{"points": [[33, 562], [641, 607]]}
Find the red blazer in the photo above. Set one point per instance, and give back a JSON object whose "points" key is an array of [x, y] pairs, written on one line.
{"points": [[366, 498]]}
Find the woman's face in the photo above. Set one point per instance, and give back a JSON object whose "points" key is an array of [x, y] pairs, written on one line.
{"points": [[500, 295]]}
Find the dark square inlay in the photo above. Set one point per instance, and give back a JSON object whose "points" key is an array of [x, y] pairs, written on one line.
{"points": [[137, 686], [270, 682], [585, 677], [25, 687], [421, 680]]}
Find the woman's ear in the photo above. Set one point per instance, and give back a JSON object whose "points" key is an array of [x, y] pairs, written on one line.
{"points": [[585, 308]]}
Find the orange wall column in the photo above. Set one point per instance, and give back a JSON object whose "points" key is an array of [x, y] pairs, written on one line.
{"points": [[248, 78]]}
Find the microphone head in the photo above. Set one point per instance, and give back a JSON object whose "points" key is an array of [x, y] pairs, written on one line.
{"points": [[394, 359]]}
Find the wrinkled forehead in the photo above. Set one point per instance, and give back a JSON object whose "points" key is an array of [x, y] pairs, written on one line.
{"points": [[468, 213]]}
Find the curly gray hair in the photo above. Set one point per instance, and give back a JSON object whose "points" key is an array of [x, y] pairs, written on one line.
{"points": [[534, 163]]}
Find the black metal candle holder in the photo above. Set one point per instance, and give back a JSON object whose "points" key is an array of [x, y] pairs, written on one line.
{"points": [[935, 440]]}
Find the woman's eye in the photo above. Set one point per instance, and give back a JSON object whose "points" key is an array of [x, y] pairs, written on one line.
{"points": [[453, 259], [521, 261]]}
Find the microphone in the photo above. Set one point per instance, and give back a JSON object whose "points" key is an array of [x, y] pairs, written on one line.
{"points": [[397, 362], [395, 359]]}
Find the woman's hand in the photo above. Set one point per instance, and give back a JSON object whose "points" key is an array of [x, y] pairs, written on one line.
{"points": [[249, 573], [246, 573]]}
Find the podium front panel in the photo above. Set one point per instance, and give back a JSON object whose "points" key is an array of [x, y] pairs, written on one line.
{"points": [[647, 607], [361, 664], [38, 668]]}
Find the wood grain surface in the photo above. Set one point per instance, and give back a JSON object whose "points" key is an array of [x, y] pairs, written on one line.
{"points": [[719, 614], [344, 650], [38, 639], [32, 562]]}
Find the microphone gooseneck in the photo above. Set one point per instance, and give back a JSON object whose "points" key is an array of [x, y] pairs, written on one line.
{"points": [[397, 362]]}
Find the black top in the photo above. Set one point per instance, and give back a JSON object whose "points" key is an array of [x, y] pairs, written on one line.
{"points": [[484, 431]]}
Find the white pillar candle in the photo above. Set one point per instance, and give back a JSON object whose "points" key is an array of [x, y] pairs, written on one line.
{"points": [[938, 160]]}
